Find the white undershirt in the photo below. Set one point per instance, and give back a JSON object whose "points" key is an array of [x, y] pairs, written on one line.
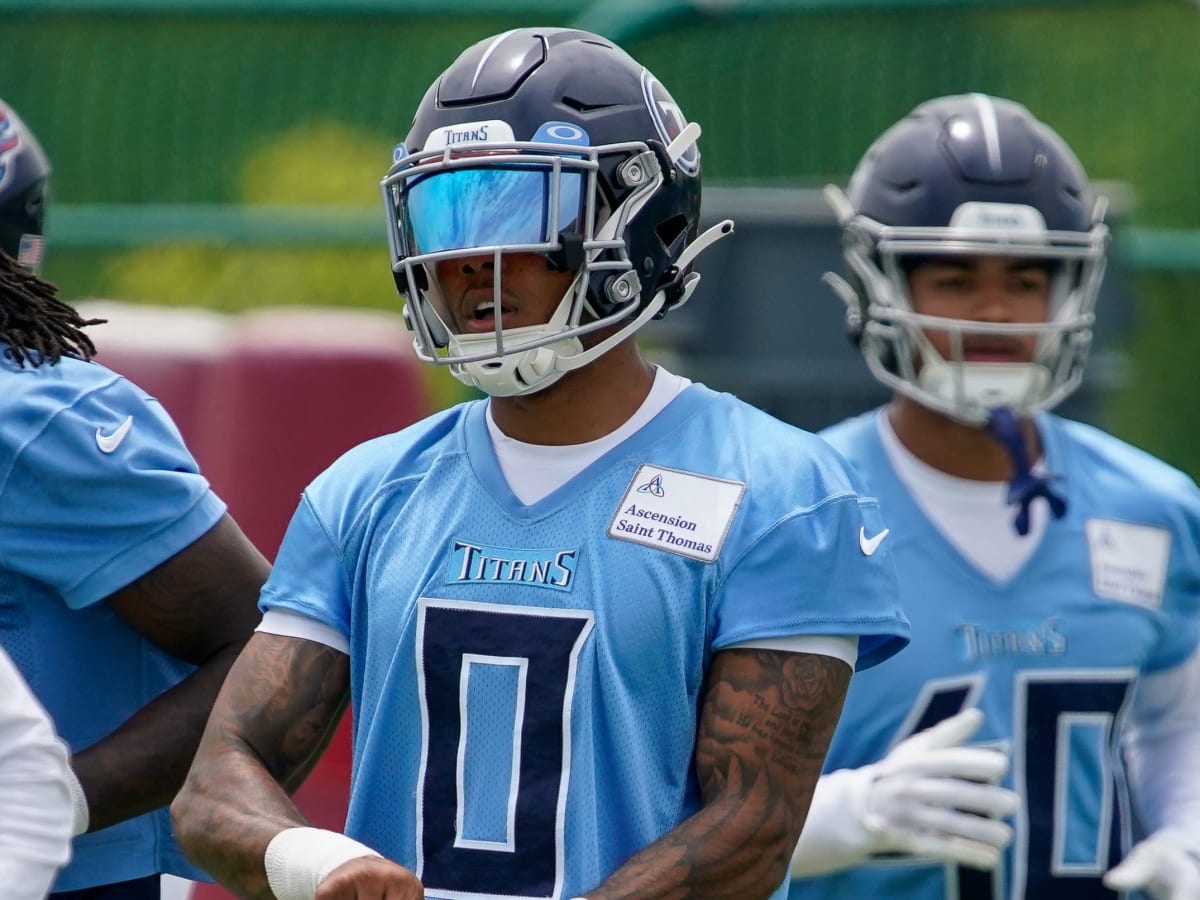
{"points": [[534, 471], [972, 515]]}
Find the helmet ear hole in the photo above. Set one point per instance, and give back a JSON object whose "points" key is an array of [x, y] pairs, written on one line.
{"points": [[670, 230], [35, 205], [673, 232]]}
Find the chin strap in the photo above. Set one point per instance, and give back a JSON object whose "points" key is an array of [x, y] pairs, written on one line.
{"points": [[567, 362], [1025, 485]]}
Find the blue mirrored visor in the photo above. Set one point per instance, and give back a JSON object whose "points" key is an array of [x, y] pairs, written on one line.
{"points": [[493, 206]]}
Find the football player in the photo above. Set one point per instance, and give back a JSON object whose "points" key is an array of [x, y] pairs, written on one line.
{"points": [[1050, 571], [126, 590], [596, 628]]}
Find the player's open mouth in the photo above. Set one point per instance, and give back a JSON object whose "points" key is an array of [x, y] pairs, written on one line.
{"points": [[483, 317], [1005, 352]]}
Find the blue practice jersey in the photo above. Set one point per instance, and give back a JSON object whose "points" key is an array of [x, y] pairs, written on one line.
{"points": [[1050, 657], [527, 680], [96, 489]]}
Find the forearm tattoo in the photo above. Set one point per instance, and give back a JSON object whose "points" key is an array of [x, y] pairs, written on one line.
{"points": [[276, 714], [290, 724], [767, 721]]}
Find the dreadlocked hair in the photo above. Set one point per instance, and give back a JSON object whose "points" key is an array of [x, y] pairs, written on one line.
{"points": [[37, 326]]}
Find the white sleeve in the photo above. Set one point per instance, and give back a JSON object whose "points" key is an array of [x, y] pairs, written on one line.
{"points": [[838, 646], [292, 624], [36, 813], [1162, 744]]}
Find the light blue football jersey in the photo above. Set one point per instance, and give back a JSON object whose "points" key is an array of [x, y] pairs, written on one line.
{"points": [[1049, 656], [527, 679], [96, 489]]}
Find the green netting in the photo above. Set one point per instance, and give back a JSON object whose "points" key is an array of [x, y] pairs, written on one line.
{"points": [[168, 108], [200, 102], [798, 96], [171, 107]]}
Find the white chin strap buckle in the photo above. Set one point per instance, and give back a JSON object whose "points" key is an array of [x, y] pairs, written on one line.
{"points": [[973, 389], [518, 373]]}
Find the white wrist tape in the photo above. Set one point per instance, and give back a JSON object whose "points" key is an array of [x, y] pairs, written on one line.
{"points": [[79, 802], [299, 859]]}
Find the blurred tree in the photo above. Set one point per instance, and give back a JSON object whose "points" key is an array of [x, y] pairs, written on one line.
{"points": [[315, 163]]}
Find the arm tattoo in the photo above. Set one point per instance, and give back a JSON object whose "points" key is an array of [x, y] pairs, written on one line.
{"points": [[286, 701], [765, 727], [777, 707], [274, 717]]}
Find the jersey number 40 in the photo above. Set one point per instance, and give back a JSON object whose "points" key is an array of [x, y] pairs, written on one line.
{"points": [[1066, 766]]}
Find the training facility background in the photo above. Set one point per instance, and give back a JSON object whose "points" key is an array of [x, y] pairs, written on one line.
{"points": [[227, 154], [223, 157]]}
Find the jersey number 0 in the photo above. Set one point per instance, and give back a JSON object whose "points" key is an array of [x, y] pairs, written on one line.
{"points": [[497, 684]]}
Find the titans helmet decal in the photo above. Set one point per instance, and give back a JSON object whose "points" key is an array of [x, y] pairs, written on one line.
{"points": [[669, 120], [10, 140]]}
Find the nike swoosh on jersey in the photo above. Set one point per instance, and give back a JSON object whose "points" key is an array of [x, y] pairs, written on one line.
{"points": [[869, 545], [110, 442]]}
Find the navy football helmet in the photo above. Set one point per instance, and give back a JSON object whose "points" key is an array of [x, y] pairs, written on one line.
{"points": [[551, 141], [23, 173], [970, 175]]}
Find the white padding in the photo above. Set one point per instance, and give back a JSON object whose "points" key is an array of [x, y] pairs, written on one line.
{"points": [[299, 859]]}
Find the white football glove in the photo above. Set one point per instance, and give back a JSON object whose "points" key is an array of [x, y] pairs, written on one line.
{"points": [[1161, 866], [930, 797]]}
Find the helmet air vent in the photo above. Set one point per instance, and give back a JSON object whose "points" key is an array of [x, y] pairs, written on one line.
{"points": [[583, 106]]}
